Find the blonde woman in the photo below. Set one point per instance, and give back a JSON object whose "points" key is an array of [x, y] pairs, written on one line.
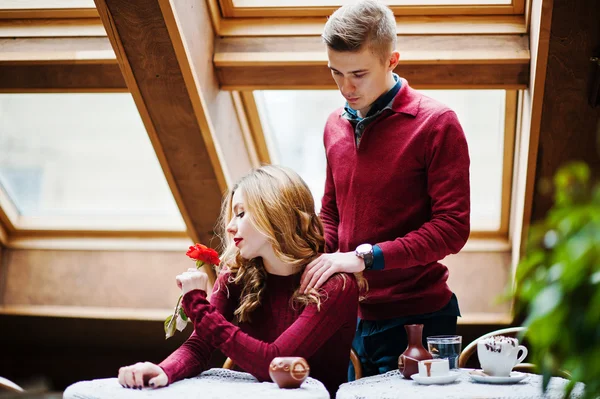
{"points": [[272, 233]]}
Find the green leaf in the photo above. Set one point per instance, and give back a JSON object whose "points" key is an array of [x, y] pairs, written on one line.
{"points": [[183, 315], [546, 300], [180, 324], [569, 388], [558, 282], [170, 327]]}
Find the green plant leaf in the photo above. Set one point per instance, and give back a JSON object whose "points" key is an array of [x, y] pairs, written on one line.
{"points": [[170, 327], [180, 324], [546, 300], [558, 282], [182, 314]]}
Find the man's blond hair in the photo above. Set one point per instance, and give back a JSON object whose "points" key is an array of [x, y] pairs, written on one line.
{"points": [[365, 22]]}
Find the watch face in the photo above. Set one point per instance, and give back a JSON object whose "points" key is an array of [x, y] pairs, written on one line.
{"points": [[364, 248]]}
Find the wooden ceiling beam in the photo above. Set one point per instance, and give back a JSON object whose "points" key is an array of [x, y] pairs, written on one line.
{"points": [[66, 64], [55, 27], [461, 61], [420, 76], [405, 25], [164, 51], [61, 77]]}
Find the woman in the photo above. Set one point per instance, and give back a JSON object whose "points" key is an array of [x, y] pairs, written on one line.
{"points": [[272, 233]]}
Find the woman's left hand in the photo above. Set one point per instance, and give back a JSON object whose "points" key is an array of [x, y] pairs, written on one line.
{"points": [[193, 279]]}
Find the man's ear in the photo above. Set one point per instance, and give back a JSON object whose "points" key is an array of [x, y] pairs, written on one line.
{"points": [[393, 60]]}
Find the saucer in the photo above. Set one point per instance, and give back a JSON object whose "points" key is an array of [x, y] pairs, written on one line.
{"points": [[478, 376], [446, 379]]}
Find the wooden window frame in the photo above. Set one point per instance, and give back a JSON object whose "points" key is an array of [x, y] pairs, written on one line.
{"points": [[85, 22], [25, 232], [297, 8], [8, 213], [417, 24], [42, 9]]}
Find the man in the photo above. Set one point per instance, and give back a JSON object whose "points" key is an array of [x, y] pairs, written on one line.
{"points": [[397, 196]]}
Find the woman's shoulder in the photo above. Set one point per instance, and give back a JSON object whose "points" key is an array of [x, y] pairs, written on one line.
{"points": [[341, 284]]}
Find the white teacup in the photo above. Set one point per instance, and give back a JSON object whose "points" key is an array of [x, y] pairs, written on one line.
{"points": [[434, 368], [498, 355]]}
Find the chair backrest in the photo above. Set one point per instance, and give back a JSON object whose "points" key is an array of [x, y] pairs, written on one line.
{"points": [[353, 358], [8, 385], [468, 351]]}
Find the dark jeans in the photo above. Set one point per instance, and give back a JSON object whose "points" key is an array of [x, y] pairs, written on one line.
{"points": [[379, 343]]}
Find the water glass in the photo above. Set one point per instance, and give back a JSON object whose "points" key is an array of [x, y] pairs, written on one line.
{"points": [[445, 347]]}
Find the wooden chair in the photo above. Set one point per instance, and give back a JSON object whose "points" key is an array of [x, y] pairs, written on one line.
{"points": [[468, 351], [353, 358]]}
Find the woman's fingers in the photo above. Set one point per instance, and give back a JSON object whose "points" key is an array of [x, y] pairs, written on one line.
{"points": [[138, 375], [129, 383], [309, 272], [121, 377], [191, 280], [135, 376], [160, 380]]}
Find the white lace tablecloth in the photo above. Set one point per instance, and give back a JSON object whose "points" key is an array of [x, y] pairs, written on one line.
{"points": [[393, 385], [211, 384]]}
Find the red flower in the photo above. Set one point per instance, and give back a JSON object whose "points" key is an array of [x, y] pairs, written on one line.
{"points": [[204, 254]]}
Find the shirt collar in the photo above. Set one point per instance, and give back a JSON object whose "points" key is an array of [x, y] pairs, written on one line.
{"points": [[407, 101], [383, 101]]}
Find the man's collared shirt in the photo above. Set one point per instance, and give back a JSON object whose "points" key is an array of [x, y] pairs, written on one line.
{"points": [[384, 101]]}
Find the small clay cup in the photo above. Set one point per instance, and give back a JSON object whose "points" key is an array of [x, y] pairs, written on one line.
{"points": [[289, 372]]}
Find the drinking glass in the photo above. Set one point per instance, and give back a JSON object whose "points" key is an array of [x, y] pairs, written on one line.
{"points": [[445, 347]]}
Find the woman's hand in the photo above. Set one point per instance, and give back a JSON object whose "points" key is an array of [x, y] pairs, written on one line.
{"points": [[142, 374], [193, 279]]}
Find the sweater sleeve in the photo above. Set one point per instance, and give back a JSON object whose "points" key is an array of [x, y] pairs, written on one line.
{"points": [[447, 162], [303, 338], [329, 214], [192, 357]]}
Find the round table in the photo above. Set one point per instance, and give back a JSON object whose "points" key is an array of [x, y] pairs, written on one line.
{"points": [[211, 384], [393, 385]]}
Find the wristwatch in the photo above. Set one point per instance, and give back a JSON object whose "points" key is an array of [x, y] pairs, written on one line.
{"points": [[365, 251]]}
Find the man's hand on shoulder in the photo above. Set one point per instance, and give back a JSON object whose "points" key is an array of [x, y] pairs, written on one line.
{"points": [[319, 270]]}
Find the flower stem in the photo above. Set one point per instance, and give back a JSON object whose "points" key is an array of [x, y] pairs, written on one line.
{"points": [[175, 313]]}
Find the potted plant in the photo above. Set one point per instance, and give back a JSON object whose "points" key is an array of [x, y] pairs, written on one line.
{"points": [[558, 282]]}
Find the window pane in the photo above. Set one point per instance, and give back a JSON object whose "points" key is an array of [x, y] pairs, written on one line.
{"points": [[294, 121], [83, 156]]}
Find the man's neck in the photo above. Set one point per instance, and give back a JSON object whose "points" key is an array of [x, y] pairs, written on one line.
{"points": [[390, 83]]}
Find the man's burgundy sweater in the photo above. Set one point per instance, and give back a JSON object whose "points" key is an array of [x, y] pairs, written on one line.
{"points": [[323, 337], [406, 189]]}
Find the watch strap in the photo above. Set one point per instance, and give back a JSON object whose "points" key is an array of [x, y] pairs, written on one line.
{"points": [[369, 259]]}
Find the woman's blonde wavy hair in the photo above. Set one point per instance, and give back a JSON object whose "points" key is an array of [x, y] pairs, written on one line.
{"points": [[281, 207]]}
